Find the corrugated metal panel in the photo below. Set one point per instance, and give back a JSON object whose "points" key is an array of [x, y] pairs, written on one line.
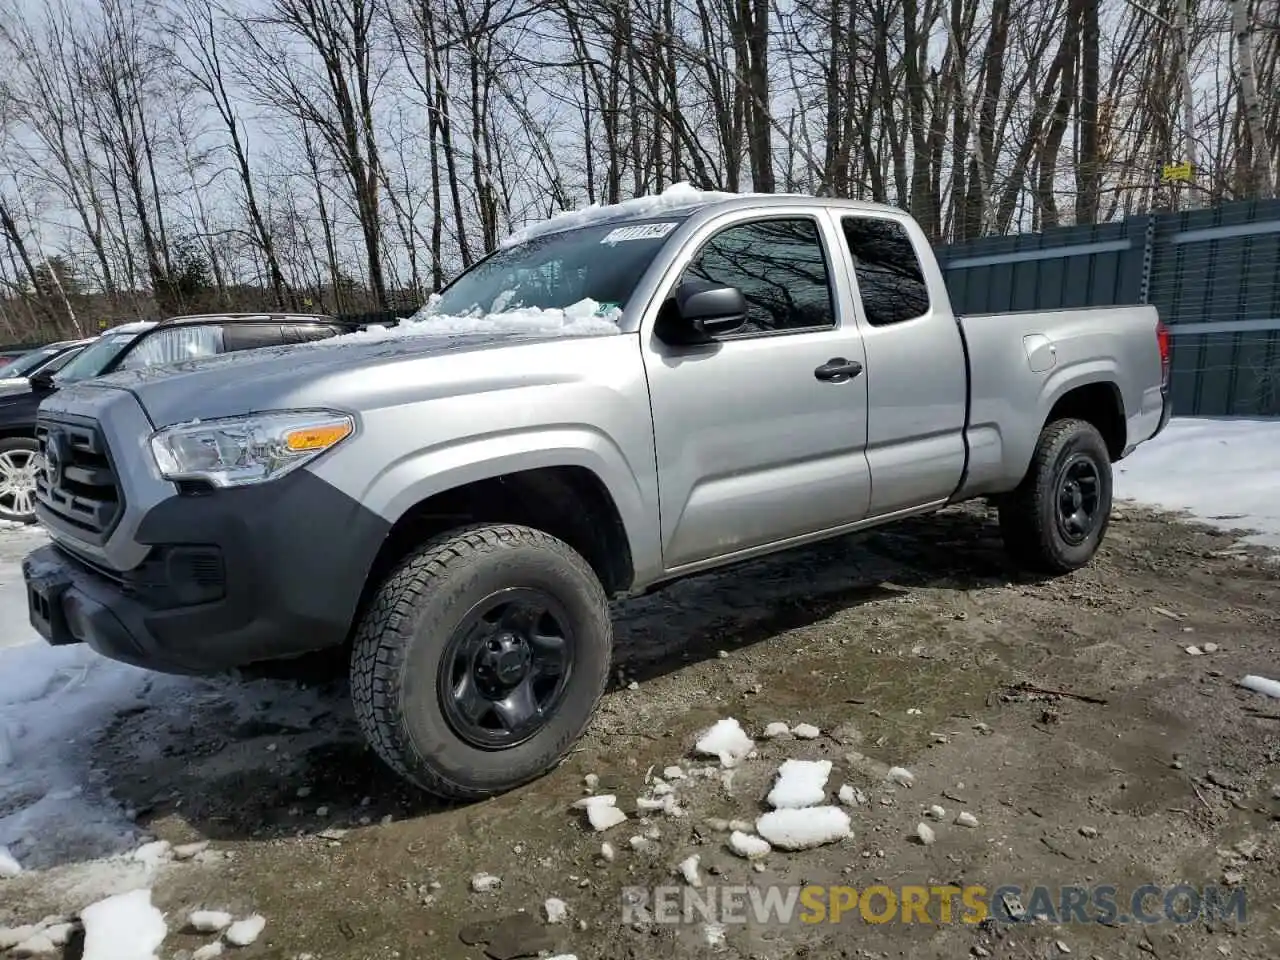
{"points": [[1068, 267], [1215, 273], [1220, 268]]}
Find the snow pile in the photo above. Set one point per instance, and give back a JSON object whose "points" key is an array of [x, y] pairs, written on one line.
{"points": [[123, 927], [675, 197], [1221, 471], [9, 866], [801, 783], [53, 702], [726, 740], [801, 829], [585, 318]]}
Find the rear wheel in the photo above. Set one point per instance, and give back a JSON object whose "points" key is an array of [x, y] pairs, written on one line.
{"points": [[19, 461], [481, 660], [1056, 519]]}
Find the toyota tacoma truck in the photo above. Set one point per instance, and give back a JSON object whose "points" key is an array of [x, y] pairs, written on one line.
{"points": [[611, 401]]}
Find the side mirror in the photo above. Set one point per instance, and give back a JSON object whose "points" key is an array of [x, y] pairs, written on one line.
{"points": [[42, 382], [700, 311]]}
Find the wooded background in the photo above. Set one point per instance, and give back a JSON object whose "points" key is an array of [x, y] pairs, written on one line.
{"points": [[165, 156]]}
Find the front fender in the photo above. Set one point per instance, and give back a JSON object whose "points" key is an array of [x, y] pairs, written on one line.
{"points": [[422, 473]]}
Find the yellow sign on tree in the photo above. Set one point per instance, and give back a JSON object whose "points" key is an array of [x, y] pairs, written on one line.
{"points": [[1175, 172]]}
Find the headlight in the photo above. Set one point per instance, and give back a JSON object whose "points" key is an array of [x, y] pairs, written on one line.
{"points": [[237, 451]]}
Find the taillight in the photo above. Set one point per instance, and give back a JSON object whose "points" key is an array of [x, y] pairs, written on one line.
{"points": [[1162, 341]]}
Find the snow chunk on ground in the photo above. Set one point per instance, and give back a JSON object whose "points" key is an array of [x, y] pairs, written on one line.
{"points": [[806, 731], [1257, 684], [209, 951], [775, 730], [1220, 470], [246, 931], [748, 846], [901, 776], [151, 855], [801, 783], [802, 829], [209, 921], [851, 796], [602, 813], [557, 910], [12, 936], [9, 866], [675, 197], [485, 882], [925, 834], [688, 868], [123, 927], [726, 740]]}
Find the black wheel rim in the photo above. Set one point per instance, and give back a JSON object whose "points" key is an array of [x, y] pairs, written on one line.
{"points": [[1079, 498], [506, 668]]}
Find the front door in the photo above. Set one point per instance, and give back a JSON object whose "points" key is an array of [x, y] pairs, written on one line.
{"points": [[758, 440]]}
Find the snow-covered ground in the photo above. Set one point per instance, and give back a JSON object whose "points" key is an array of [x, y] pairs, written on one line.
{"points": [[54, 806], [1224, 472], [53, 701]]}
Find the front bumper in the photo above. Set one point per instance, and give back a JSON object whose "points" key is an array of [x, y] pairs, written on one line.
{"points": [[280, 571]]}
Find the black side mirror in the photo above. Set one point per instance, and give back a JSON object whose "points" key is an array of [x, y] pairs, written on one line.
{"points": [[700, 311], [42, 382]]}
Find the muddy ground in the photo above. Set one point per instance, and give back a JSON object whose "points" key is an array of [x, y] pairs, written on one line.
{"points": [[1172, 778]]}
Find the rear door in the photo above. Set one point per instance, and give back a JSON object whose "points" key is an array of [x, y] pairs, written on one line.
{"points": [[754, 445], [916, 377]]}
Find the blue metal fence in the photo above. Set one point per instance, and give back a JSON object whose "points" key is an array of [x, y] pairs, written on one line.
{"points": [[1213, 274]]}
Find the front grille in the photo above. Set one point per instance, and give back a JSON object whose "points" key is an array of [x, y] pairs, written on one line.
{"points": [[77, 482]]}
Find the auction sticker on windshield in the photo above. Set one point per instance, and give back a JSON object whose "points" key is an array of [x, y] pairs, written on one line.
{"points": [[639, 231]]}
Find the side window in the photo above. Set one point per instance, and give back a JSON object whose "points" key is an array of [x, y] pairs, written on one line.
{"points": [[890, 279], [781, 269], [173, 345]]}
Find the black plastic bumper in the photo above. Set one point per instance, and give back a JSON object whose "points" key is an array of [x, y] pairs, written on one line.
{"points": [[293, 560], [1166, 413]]}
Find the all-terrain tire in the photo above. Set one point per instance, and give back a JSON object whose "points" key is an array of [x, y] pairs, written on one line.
{"points": [[13, 508], [1029, 520], [402, 638]]}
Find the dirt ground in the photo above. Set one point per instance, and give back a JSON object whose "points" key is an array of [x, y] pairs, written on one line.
{"points": [[906, 647]]}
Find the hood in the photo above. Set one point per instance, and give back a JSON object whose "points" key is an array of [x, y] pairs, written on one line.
{"points": [[349, 372], [14, 385]]}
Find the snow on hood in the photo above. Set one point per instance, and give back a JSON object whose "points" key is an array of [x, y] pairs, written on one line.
{"points": [[586, 318], [677, 195]]}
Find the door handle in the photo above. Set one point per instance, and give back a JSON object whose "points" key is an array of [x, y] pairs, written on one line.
{"points": [[838, 370]]}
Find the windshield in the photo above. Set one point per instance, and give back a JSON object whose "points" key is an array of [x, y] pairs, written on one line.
{"points": [[551, 272], [29, 361], [94, 358]]}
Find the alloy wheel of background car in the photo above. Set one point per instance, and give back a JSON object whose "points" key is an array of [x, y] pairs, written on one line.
{"points": [[19, 464]]}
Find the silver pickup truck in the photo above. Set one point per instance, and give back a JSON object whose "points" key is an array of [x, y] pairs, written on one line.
{"points": [[610, 402]]}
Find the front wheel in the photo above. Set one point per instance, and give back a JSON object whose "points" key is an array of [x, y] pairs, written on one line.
{"points": [[1055, 520], [481, 659], [19, 461]]}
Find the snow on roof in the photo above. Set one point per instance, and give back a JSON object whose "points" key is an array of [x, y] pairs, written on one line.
{"points": [[678, 196], [138, 326]]}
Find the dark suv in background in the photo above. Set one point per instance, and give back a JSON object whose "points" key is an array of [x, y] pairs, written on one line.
{"points": [[130, 346]]}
